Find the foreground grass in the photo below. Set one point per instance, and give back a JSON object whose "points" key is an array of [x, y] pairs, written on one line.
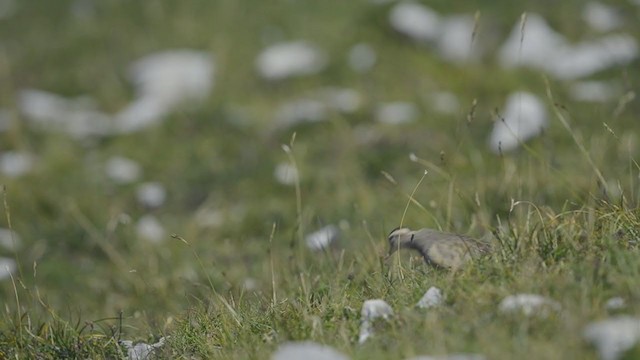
{"points": [[580, 258]]}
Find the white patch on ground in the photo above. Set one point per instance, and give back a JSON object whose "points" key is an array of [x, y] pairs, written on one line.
{"points": [[344, 100], [322, 238], [362, 58], [290, 59], [122, 170], [150, 229], [432, 298], [250, 284], [588, 58], [395, 113], [16, 164], [450, 357], [151, 194], [593, 91], [9, 240], [416, 21], [317, 106], [141, 351], [451, 35], [371, 311], [210, 218], [601, 17], [163, 81], [454, 41], [300, 111], [7, 267], [286, 174], [77, 117], [535, 48], [615, 303], [614, 336], [444, 102], [542, 48], [524, 117], [307, 350], [528, 305]]}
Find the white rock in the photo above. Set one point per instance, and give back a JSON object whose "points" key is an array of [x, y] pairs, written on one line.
{"points": [[151, 194], [444, 102], [586, 58], [163, 81], [601, 17], [432, 298], [344, 100], [614, 336], [9, 240], [141, 351], [317, 106], [362, 58], [593, 91], [322, 238], [289, 59], [286, 174], [450, 357], [301, 111], [454, 41], [395, 113], [528, 305], [210, 218], [542, 48], [415, 21], [77, 117], [140, 114], [15, 164], [250, 284], [173, 76], [615, 303], [372, 310], [524, 117], [538, 45], [150, 229], [7, 267], [307, 350], [122, 170]]}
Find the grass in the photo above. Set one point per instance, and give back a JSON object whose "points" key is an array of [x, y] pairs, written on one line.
{"points": [[562, 211]]}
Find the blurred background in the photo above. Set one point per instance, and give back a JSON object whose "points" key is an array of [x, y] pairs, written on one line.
{"points": [[252, 130]]}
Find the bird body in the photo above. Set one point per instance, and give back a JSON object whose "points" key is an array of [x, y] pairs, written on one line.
{"points": [[437, 248]]}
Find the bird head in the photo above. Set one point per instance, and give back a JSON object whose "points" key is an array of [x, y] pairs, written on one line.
{"points": [[398, 239]]}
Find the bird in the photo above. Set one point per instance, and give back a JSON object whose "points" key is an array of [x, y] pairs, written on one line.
{"points": [[439, 249]]}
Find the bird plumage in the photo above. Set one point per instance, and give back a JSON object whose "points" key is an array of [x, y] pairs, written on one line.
{"points": [[438, 248]]}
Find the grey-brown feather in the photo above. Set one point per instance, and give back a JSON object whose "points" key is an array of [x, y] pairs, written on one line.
{"points": [[438, 248]]}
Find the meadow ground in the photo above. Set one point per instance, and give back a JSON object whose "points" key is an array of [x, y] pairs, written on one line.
{"points": [[561, 210]]}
